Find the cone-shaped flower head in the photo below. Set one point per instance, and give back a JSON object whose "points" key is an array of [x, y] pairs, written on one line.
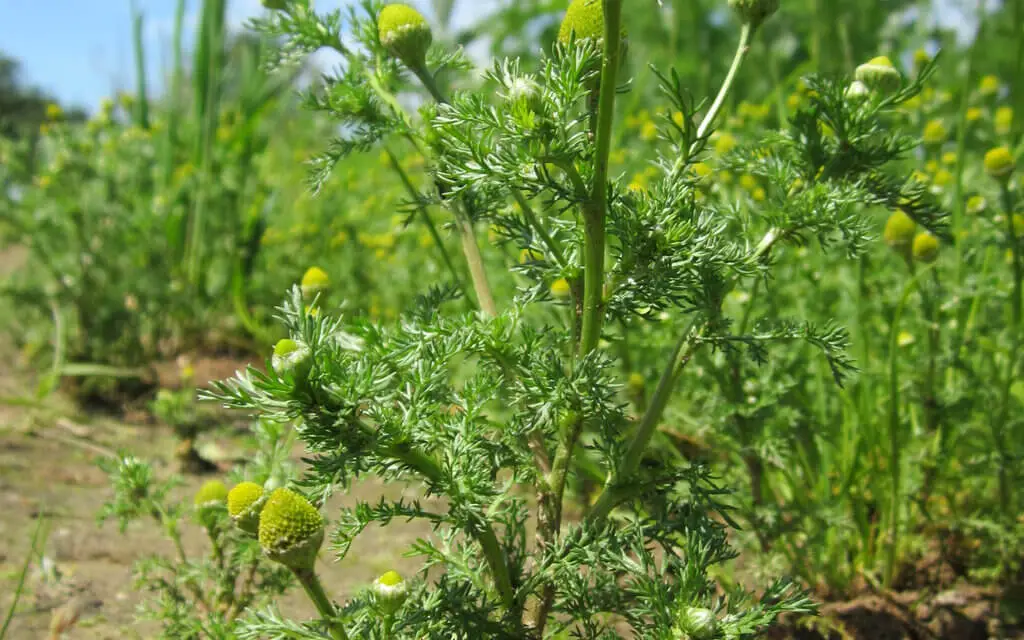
{"points": [[754, 12], [926, 247], [899, 231], [291, 529], [391, 591], [696, 623], [291, 357], [211, 494], [208, 501], [934, 133], [879, 74], [560, 288], [245, 501], [583, 20], [404, 32], [999, 163], [314, 281]]}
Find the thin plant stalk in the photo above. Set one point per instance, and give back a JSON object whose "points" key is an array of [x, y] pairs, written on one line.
{"points": [[311, 584], [20, 587]]}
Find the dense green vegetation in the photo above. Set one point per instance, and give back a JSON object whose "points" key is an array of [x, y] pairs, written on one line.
{"points": [[736, 282]]}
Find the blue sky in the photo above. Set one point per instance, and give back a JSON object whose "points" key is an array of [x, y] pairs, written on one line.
{"points": [[81, 51]]}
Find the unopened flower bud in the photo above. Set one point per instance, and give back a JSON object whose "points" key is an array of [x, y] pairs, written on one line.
{"points": [[899, 231], [291, 530], [314, 281], [245, 501], [291, 357], [404, 32], [209, 499], [754, 12], [926, 247], [999, 163], [561, 289], [879, 74], [857, 91], [391, 591], [584, 20], [696, 623]]}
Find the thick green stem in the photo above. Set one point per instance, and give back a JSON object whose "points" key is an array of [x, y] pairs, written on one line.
{"points": [[596, 206], [311, 583], [611, 493]]}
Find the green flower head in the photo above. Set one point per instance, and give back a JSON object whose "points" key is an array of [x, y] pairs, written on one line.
{"points": [[584, 20], [404, 32], [899, 231], [999, 163], [391, 591], [696, 623], [880, 75], [244, 503], [314, 281], [291, 530], [926, 247], [291, 357], [212, 493]]}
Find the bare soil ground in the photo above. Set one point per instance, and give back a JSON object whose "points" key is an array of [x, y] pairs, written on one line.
{"points": [[48, 471]]}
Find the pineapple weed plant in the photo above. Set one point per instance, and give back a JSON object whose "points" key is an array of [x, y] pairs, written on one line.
{"points": [[502, 413]]}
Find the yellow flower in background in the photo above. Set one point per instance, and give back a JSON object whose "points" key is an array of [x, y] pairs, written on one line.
{"points": [[999, 163], [725, 177], [54, 112], [976, 204], [942, 178], [43, 181], [935, 133], [921, 58], [973, 114], [913, 104], [793, 101], [989, 85], [1003, 120], [905, 338], [949, 158], [725, 143], [677, 118], [649, 131], [702, 170], [931, 166], [759, 195], [426, 240], [748, 182]]}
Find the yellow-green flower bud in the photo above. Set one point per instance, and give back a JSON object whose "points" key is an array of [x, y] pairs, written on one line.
{"points": [[561, 289], [208, 500], [314, 281], [696, 623], [245, 501], [926, 247], [857, 91], [754, 12], [291, 357], [934, 133], [391, 591], [584, 20], [879, 74], [976, 204], [999, 163], [291, 530], [404, 32], [989, 86], [212, 493], [899, 231]]}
